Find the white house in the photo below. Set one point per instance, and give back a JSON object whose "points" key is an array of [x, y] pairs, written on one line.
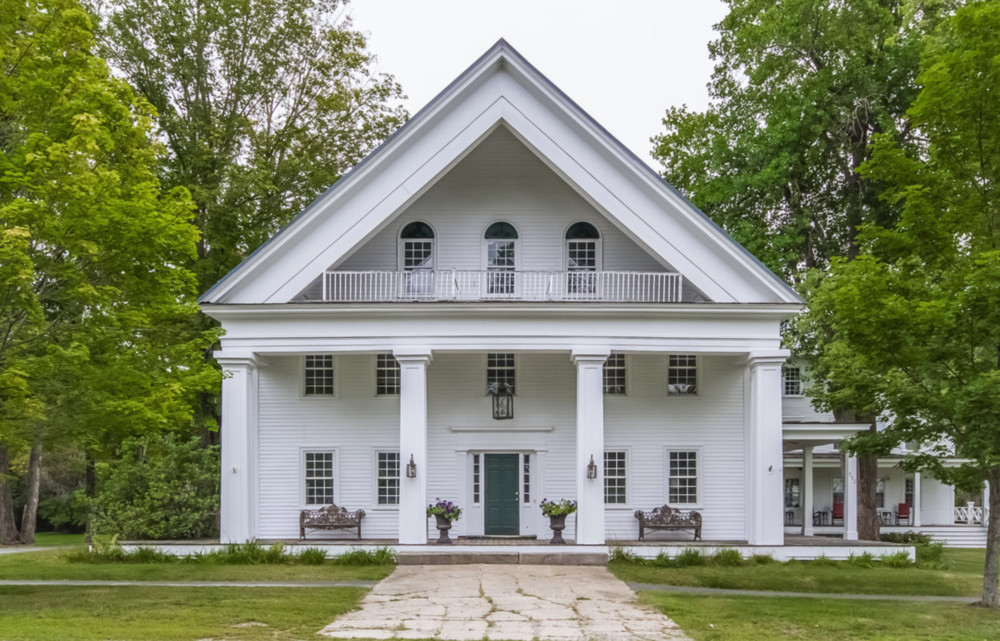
{"points": [[503, 241]]}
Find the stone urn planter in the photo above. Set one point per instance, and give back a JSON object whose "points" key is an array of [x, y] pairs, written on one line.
{"points": [[443, 525], [558, 523]]}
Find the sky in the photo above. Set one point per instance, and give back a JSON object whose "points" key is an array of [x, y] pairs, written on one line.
{"points": [[624, 62]]}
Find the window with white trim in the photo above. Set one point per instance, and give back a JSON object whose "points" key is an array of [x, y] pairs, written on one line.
{"points": [[500, 370], [416, 257], [793, 380], [614, 478], [388, 478], [526, 490], [683, 477], [318, 375], [880, 493], [501, 247], [793, 493], [475, 479], [908, 492], [582, 257], [386, 375], [318, 478], [614, 375], [682, 374]]}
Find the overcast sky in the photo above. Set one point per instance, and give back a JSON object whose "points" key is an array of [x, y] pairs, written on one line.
{"points": [[625, 62]]}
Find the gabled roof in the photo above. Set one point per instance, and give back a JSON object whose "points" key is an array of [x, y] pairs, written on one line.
{"points": [[501, 89]]}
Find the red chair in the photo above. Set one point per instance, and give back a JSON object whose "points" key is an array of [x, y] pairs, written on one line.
{"points": [[838, 513], [903, 513]]}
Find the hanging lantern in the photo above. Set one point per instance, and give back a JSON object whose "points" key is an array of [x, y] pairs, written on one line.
{"points": [[503, 400]]}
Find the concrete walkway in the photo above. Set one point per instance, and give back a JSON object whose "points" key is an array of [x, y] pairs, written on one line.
{"points": [[682, 589], [512, 602]]}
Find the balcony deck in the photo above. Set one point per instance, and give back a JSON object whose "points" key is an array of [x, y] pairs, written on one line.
{"points": [[467, 286]]}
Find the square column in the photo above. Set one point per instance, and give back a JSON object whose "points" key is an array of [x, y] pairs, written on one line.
{"points": [[589, 363], [765, 493], [238, 434], [413, 443], [850, 498], [807, 491], [915, 508]]}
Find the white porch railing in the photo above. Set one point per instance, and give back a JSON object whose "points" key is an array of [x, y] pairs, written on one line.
{"points": [[970, 515], [421, 285]]}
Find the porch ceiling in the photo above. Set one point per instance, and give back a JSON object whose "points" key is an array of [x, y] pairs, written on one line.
{"points": [[795, 436]]}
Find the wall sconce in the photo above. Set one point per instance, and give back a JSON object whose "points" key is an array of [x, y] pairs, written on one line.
{"points": [[591, 468], [411, 469]]}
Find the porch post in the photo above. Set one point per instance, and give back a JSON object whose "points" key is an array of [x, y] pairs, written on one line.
{"points": [[413, 442], [850, 498], [916, 499], [765, 504], [807, 491], [238, 435], [589, 363]]}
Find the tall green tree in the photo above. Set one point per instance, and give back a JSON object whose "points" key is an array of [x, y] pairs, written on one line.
{"points": [[799, 89], [263, 104], [95, 305], [915, 318]]}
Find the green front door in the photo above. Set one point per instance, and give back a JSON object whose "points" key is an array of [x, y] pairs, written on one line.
{"points": [[502, 500]]}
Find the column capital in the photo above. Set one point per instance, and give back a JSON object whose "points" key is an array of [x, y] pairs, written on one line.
{"points": [[767, 357], [230, 359], [589, 355], [413, 354]]}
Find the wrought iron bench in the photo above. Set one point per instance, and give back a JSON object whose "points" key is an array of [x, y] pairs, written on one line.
{"points": [[668, 518], [330, 517]]}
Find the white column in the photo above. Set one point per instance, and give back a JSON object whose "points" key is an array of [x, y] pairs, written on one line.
{"points": [[915, 508], [238, 435], [850, 498], [590, 443], [765, 500], [986, 504], [413, 442], [807, 491]]}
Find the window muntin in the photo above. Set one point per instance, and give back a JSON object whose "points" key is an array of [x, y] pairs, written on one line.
{"points": [[582, 248], [388, 478], [416, 254], [614, 478], [793, 493], [614, 375], [526, 490], [908, 492], [683, 477], [318, 478], [793, 380], [500, 264], [386, 375], [475, 479], [682, 374], [318, 375], [500, 370]]}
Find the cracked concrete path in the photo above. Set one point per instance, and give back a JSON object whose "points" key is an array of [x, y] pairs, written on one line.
{"points": [[510, 602]]}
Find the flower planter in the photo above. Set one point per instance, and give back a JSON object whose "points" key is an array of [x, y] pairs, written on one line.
{"points": [[558, 523], [443, 525]]}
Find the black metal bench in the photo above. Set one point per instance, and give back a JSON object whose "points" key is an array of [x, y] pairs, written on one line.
{"points": [[330, 517], [668, 518]]}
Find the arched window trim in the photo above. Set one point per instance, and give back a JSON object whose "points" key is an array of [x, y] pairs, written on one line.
{"points": [[497, 259], [573, 246], [410, 249]]}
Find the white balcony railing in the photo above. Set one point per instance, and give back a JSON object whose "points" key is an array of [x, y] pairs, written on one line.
{"points": [[970, 515], [425, 285]]}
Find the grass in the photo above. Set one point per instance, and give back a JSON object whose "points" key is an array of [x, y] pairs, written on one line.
{"points": [[710, 618], [168, 614], [48, 539], [55, 564], [961, 576]]}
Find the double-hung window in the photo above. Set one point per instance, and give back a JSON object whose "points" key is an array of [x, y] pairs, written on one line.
{"points": [[318, 375], [388, 478], [615, 478], [416, 256], [501, 247], [500, 372], [582, 256], [683, 477], [682, 374], [793, 380], [318, 477], [386, 375], [793, 493], [614, 375]]}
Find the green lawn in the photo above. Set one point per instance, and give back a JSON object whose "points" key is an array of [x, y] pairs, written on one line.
{"points": [[167, 614], [46, 539], [710, 618], [52, 564], [963, 577]]}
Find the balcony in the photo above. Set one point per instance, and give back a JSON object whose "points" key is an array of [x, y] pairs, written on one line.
{"points": [[466, 286]]}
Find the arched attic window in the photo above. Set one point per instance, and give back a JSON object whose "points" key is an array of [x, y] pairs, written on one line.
{"points": [[501, 258], [583, 255], [416, 247]]}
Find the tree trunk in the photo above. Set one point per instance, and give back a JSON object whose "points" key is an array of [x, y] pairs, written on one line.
{"points": [[991, 597], [34, 480], [90, 491], [868, 520], [8, 527]]}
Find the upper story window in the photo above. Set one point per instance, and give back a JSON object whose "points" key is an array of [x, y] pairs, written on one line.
{"points": [[318, 375], [793, 380], [416, 247], [682, 374], [583, 248], [501, 253]]}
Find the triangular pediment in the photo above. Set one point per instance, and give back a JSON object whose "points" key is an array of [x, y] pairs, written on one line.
{"points": [[501, 99]]}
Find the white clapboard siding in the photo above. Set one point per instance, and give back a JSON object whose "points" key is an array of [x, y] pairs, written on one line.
{"points": [[356, 423], [500, 180]]}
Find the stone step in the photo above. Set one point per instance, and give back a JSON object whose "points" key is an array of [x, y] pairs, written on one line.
{"points": [[495, 557]]}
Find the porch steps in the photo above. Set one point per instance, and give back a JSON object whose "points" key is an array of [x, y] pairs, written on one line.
{"points": [[957, 536], [496, 556]]}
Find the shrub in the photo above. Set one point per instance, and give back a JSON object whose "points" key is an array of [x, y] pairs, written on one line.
{"points": [[65, 512], [312, 556], [662, 560], [896, 560], [621, 554], [361, 556], [930, 555], [863, 560], [160, 487], [910, 537], [689, 557], [728, 558], [110, 551]]}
